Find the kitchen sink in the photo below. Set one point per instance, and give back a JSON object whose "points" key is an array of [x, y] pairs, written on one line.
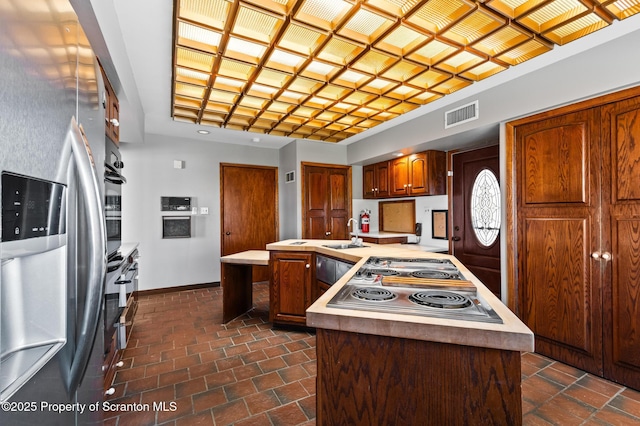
{"points": [[343, 246]]}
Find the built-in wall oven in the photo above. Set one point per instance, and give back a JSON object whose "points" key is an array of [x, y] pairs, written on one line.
{"points": [[113, 197]]}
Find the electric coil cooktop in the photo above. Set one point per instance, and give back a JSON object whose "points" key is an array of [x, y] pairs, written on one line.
{"points": [[429, 287]]}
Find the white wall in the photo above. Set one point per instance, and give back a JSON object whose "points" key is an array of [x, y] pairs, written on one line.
{"points": [[150, 174], [288, 192]]}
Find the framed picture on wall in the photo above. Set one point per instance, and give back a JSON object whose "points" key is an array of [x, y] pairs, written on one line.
{"points": [[440, 224]]}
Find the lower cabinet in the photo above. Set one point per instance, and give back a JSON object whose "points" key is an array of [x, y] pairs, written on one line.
{"points": [[291, 287]]}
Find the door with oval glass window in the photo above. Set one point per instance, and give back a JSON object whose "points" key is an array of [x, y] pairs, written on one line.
{"points": [[476, 214]]}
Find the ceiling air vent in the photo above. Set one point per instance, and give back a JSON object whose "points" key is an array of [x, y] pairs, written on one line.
{"points": [[468, 112]]}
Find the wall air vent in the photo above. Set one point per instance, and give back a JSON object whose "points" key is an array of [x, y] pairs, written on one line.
{"points": [[463, 114], [290, 177]]}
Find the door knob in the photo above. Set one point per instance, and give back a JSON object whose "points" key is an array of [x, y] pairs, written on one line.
{"points": [[227, 233], [455, 238]]}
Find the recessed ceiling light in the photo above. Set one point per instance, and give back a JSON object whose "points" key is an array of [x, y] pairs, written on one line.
{"points": [[203, 132]]}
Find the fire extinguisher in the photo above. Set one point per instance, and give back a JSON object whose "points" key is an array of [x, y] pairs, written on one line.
{"points": [[364, 221]]}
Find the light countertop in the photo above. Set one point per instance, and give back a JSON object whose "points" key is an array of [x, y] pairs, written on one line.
{"points": [[249, 257], [127, 248], [512, 334]]}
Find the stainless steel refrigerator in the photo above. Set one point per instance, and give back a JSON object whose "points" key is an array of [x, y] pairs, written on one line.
{"points": [[53, 246]]}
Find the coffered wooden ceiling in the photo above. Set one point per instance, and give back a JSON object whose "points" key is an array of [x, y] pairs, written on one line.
{"points": [[329, 69]]}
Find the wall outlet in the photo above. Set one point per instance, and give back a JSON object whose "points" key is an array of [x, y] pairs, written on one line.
{"points": [[204, 210]]}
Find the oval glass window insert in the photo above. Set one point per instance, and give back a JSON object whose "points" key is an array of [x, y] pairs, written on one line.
{"points": [[485, 207]]}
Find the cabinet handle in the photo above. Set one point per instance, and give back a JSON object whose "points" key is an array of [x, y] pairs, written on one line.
{"points": [[110, 391], [606, 256], [455, 238], [115, 122], [595, 255], [307, 266], [327, 233]]}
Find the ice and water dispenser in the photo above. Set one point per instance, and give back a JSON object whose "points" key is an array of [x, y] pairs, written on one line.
{"points": [[33, 293]]}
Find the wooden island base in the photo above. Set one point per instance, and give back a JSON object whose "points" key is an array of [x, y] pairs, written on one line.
{"points": [[366, 379]]}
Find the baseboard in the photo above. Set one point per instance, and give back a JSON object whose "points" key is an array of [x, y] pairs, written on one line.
{"points": [[177, 288]]}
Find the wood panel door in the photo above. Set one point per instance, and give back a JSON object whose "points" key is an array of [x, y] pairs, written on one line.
{"points": [[558, 164], [249, 210], [475, 229], [326, 206], [620, 248]]}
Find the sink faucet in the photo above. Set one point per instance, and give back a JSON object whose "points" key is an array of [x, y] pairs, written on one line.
{"points": [[355, 240]]}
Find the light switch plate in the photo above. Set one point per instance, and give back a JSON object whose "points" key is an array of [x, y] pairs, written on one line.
{"points": [[204, 210]]}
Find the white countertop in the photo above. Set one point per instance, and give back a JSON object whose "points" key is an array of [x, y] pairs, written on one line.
{"points": [[512, 334], [127, 248], [249, 257]]}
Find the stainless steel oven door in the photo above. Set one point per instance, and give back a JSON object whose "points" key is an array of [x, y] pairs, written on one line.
{"points": [[113, 208]]}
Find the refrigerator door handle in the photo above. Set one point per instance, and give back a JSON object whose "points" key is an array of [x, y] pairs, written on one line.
{"points": [[88, 184]]}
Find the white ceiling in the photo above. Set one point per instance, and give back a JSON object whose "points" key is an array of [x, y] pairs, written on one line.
{"points": [[138, 35]]}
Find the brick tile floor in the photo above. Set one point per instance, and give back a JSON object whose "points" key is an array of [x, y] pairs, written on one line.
{"points": [[183, 367]]}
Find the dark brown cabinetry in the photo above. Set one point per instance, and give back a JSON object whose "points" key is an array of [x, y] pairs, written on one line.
{"points": [[375, 180], [291, 287], [111, 111], [575, 173], [366, 379], [414, 175]]}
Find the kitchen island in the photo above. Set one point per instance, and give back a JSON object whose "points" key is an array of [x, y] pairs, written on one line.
{"points": [[393, 368]]}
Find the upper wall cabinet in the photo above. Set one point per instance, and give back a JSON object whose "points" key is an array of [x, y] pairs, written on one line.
{"points": [[112, 111], [375, 180], [414, 175]]}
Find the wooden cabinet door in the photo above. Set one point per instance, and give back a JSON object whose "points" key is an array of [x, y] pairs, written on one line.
{"points": [[326, 201], [621, 239], [111, 111], [382, 179], [418, 180], [369, 181], [558, 162], [418, 174], [290, 289], [399, 176], [375, 180]]}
